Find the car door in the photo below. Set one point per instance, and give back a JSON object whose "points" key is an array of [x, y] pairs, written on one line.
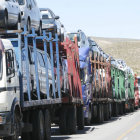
{"points": [[15, 9], [35, 15], [12, 75], [12, 12]]}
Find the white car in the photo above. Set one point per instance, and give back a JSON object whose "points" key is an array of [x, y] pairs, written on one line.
{"points": [[30, 15], [81, 38], [10, 14]]}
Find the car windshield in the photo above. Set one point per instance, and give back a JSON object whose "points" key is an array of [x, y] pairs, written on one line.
{"points": [[47, 18], [0, 64], [72, 35], [21, 2]]}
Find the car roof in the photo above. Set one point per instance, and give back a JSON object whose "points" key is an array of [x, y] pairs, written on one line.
{"points": [[45, 9]]}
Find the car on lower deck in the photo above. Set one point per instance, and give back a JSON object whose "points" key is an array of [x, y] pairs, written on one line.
{"points": [[10, 14]]}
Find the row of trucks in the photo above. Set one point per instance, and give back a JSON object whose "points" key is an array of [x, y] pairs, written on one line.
{"points": [[72, 83], [109, 87]]}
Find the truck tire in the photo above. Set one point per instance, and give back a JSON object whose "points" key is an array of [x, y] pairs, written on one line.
{"points": [[115, 109], [100, 113], [72, 120], [110, 110], [63, 121], [124, 109], [26, 119], [16, 129], [38, 125], [120, 109], [47, 125], [94, 114], [88, 120], [80, 118], [106, 112]]}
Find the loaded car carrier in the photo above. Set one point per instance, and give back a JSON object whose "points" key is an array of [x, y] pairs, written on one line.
{"points": [[26, 109]]}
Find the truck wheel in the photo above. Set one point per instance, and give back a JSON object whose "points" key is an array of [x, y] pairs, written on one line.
{"points": [[106, 112], [100, 113], [16, 129], [94, 112], [47, 125], [38, 125], [26, 119], [88, 120], [80, 118], [72, 120], [63, 121], [102, 107], [124, 109], [110, 110], [121, 109], [115, 109]]}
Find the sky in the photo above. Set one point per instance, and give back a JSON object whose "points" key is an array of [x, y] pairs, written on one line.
{"points": [[100, 18]]}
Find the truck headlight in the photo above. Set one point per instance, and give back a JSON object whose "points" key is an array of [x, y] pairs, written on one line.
{"points": [[2, 119]]}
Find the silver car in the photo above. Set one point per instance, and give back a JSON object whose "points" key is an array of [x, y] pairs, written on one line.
{"points": [[41, 72], [9, 14], [51, 23], [30, 15]]}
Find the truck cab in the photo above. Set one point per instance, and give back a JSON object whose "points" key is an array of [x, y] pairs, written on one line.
{"points": [[9, 87]]}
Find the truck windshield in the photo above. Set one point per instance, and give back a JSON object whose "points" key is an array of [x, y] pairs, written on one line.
{"points": [[21, 2], [0, 64]]}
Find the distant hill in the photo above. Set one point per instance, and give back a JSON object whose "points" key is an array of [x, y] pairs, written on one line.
{"points": [[126, 49]]}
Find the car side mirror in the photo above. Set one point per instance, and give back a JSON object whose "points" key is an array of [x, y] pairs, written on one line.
{"points": [[30, 7], [57, 17]]}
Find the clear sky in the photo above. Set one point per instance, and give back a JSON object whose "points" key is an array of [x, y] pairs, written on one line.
{"points": [[101, 18]]}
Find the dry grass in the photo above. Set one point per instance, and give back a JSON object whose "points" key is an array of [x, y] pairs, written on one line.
{"points": [[126, 49]]}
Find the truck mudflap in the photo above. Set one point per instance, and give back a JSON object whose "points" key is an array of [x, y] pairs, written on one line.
{"points": [[5, 124]]}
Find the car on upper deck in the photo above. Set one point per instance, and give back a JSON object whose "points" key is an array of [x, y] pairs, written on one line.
{"points": [[30, 15], [51, 23], [81, 38], [10, 14]]}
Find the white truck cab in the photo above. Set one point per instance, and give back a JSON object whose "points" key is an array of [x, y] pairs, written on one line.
{"points": [[9, 87]]}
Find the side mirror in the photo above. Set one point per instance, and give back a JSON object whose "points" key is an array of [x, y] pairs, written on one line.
{"points": [[62, 25], [30, 7], [57, 17]]}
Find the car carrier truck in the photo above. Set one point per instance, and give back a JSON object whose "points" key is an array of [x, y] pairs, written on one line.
{"points": [[32, 93]]}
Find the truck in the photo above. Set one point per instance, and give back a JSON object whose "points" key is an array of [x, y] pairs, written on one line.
{"points": [[32, 78], [95, 79]]}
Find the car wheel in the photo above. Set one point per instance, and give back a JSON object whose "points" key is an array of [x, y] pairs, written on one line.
{"points": [[19, 21], [28, 26], [40, 29], [5, 20]]}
